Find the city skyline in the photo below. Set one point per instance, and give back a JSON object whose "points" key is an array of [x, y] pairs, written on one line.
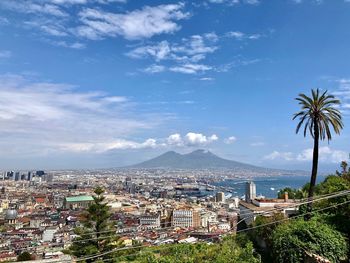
{"points": [[108, 83]]}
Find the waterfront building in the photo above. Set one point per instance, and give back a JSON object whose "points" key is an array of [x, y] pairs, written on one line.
{"points": [[250, 191], [220, 197]]}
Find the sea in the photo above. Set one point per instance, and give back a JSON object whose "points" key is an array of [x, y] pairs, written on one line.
{"points": [[266, 186]]}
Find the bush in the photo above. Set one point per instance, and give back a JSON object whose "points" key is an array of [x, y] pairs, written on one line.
{"points": [[291, 242]]}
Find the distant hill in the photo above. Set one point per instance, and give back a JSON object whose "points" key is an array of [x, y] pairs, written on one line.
{"points": [[199, 159]]}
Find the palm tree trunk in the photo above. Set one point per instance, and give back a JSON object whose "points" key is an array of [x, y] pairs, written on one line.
{"points": [[314, 170]]}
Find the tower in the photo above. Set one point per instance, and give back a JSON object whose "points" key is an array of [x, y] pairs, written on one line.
{"points": [[250, 191]]}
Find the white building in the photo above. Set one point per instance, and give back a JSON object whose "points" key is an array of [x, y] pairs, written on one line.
{"points": [[150, 221], [250, 191], [185, 218]]}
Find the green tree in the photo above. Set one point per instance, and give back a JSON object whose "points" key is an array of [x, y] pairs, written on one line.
{"points": [[292, 193], [25, 256], [230, 250], [318, 115], [344, 167], [96, 235], [292, 241], [264, 234]]}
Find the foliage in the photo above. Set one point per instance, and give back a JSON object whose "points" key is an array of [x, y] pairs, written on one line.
{"points": [[291, 241], [231, 249], [265, 233], [96, 235], [25, 256], [292, 193]]}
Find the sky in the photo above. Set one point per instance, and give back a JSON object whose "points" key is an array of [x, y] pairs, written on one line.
{"points": [[108, 83]]}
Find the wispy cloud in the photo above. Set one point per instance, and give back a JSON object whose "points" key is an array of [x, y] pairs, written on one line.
{"points": [[137, 24], [343, 93], [234, 2], [192, 49], [230, 140], [5, 54], [242, 36], [49, 115], [4, 21], [326, 155], [190, 68], [33, 7]]}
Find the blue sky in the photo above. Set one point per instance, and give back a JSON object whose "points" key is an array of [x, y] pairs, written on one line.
{"points": [[105, 83]]}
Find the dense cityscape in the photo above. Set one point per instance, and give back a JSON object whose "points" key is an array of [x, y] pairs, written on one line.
{"points": [[41, 209]]}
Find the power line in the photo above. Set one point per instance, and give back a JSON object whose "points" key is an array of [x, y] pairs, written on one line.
{"points": [[318, 198], [253, 214], [247, 229]]}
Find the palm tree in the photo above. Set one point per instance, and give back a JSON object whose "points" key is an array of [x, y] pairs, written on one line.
{"points": [[344, 166], [318, 114]]}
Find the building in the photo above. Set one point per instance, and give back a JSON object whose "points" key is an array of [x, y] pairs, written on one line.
{"points": [[250, 191], [78, 202], [150, 221], [220, 197], [185, 218], [253, 207]]}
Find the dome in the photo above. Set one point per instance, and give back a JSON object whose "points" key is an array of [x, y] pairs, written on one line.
{"points": [[11, 214]]}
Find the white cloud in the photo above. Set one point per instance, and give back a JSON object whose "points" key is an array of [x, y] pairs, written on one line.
{"points": [[235, 2], [74, 45], [192, 49], [275, 155], [190, 68], [257, 144], [242, 36], [230, 140], [154, 68], [4, 21], [207, 79], [137, 24], [107, 146], [159, 51], [5, 54], [175, 139], [343, 93], [33, 7], [53, 31], [42, 118], [197, 139], [69, 2], [183, 56], [191, 139], [326, 155], [37, 117]]}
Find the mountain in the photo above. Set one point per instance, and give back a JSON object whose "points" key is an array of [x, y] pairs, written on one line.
{"points": [[199, 159]]}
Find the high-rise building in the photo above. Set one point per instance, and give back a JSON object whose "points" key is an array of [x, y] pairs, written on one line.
{"points": [[250, 191], [29, 176], [39, 173], [17, 176], [23, 177], [220, 197]]}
